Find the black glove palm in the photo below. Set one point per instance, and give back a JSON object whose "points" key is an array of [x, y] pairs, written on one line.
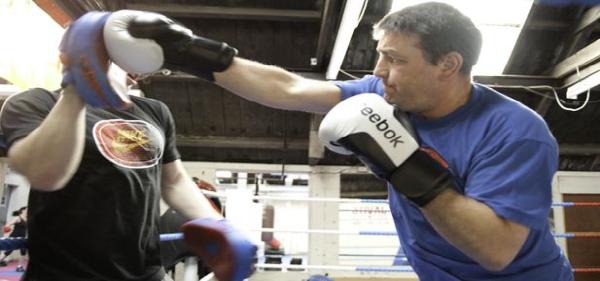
{"points": [[181, 48]]}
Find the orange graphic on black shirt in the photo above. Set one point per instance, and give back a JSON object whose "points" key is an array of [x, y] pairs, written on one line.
{"points": [[129, 143], [127, 140]]}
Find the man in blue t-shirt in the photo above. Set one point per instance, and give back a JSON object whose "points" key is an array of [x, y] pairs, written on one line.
{"points": [[486, 219]]}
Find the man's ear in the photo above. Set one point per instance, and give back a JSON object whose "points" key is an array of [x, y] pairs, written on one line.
{"points": [[450, 64]]}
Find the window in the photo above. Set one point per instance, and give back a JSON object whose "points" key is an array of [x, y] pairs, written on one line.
{"points": [[500, 23]]}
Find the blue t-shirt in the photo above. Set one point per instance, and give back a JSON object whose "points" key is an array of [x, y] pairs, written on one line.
{"points": [[500, 153]]}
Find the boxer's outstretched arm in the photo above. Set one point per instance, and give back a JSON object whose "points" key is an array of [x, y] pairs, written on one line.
{"points": [[275, 87], [50, 155], [142, 42]]}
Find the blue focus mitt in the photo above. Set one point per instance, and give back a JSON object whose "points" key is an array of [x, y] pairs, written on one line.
{"points": [[85, 62], [224, 249]]}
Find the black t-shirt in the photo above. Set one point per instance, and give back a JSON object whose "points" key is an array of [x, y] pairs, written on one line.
{"points": [[103, 225], [20, 229]]}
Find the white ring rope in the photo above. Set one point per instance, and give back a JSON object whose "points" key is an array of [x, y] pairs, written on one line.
{"points": [[372, 201], [309, 199], [338, 267], [328, 231]]}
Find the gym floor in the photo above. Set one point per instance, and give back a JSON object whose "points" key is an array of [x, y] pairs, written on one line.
{"points": [[9, 272]]}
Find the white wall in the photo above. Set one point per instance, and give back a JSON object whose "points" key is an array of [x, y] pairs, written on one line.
{"points": [[19, 196]]}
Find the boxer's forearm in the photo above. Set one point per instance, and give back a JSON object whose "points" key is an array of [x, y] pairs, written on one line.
{"points": [[475, 229], [181, 194], [50, 155], [275, 87]]}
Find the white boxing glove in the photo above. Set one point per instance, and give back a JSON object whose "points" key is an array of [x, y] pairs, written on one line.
{"points": [[143, 42], [134, 55], [380, 136], [367, 114]]}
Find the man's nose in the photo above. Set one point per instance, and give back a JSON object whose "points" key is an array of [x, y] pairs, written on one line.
{"points": [[381, 69]]}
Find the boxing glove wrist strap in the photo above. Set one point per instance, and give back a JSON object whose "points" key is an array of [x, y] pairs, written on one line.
{"points": [[201, 57], [420, 178]]}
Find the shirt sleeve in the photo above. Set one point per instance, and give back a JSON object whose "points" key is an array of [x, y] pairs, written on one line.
{"points": [[515, 180], [24, 112], [170, 151], [367, 84]]}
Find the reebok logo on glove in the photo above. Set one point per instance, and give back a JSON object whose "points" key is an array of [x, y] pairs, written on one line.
{"points": [[382, 126]]}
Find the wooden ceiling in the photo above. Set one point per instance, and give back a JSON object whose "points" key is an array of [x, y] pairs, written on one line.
{"points": [[558, 46]]}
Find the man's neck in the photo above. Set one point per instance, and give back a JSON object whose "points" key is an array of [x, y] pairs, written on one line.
{"points": [[457, 94]]}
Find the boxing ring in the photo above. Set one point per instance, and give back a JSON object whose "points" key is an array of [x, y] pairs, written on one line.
{"points": [[327, 232]]}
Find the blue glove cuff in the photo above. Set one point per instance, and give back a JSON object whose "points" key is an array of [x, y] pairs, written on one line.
{"points": [[222, 247], [86, 61]]}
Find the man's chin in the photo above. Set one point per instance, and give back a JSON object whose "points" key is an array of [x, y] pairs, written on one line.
{"points": [[391, 100], [399, 105], [387, 98]]}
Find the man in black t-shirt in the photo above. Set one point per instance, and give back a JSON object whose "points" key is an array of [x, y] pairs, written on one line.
{"points": [[96, 177], [103, 211]]}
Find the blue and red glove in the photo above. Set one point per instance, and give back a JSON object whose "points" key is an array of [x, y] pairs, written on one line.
{"points": [[86, 61], [224, 249]]}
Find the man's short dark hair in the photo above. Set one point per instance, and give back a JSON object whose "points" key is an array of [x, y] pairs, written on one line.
{"points": [[19, 211], [441, 28]]}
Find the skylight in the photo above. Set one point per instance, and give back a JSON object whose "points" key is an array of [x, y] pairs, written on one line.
{"points": [[29, 50], [500, 23]]}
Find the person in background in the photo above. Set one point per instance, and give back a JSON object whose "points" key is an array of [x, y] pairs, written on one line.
{"points": [[204, 185], [17, 229]]}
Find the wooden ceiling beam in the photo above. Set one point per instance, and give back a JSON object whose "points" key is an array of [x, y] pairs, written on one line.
{"points": [[327, 23], [583, 73], [579, 149], [545, 25], [199, 11], [242, 142], [64, 11], [510, 81], [56, 10], [589, 19], [580, 59], [167, 75]]}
